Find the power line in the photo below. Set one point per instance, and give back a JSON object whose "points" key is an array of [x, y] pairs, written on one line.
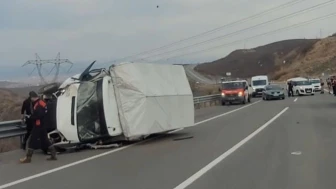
{"points": [[259, 35], [288, 4], [245, 29]]}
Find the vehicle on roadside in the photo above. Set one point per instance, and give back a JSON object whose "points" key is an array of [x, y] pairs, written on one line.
{"points": [[302, 86], [125, 102], [316, 82], [236, 91], [273, 92], [258, 84]]}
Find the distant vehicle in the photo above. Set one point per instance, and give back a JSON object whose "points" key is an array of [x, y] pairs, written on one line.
{"points": [[236, 91], [258, 84], [302, 86], [273, 92], [316, 82]]}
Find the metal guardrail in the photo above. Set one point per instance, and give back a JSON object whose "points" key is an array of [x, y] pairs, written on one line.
{"points": [[15, 128], [12, 129], [208, 98]]}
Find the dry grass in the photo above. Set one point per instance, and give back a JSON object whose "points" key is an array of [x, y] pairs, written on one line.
{"points": [[200, 89], [10, 105]]}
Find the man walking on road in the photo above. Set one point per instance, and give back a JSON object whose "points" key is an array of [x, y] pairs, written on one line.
{"points": [[26, 111], [290, 89], [322, 86], [334, 85], [329, 84], [39, 136]]}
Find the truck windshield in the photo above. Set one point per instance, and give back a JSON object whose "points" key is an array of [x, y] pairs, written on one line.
{"points": [[233, 85], [259, 82], [88, 122]]}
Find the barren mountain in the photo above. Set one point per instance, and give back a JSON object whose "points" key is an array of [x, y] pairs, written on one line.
{"points": [[279, 60], [10, 105]]}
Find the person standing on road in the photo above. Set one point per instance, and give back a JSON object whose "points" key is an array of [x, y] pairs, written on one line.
{"points": [[334, 86], [26, 112], [329, 84], [322, 86], [290, 89], [39, 136]]}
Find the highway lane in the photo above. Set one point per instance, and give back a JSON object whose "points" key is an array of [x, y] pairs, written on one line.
{"points": [[10, 170], [295, 151], [163, 162]]}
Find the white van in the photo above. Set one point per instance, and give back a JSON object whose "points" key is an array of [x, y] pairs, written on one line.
{"points": [[316, 82], [258, 84]]}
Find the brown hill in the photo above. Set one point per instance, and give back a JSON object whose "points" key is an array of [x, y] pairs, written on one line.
{"points": [[10, 105], [279, 60]]}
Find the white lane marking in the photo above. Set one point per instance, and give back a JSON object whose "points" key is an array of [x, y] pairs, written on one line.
{"points": [[212, 164], [295, 99], [297, 153], [226, 113], [109, 152]]}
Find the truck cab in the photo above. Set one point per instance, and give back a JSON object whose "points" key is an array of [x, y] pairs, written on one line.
{"points": [[235, 91], [258, 84], [86, 110]]}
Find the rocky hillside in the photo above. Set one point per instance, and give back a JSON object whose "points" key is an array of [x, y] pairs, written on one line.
{"points": [[10, 105], [279, 60]]}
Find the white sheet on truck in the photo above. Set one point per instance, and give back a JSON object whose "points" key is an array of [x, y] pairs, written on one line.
{"points": [[152, 98]]}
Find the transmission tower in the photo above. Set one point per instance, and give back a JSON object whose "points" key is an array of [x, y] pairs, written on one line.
{"points": [[39, 63]]}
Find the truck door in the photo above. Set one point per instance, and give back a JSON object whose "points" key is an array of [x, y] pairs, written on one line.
{"points": [[111, 108]]}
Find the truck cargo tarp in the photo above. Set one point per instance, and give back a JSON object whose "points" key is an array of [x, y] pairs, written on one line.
{"points": [[152, 98]]}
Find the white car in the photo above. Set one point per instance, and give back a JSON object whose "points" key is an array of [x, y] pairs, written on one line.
{"points": [[316, 84], [303, 87]]}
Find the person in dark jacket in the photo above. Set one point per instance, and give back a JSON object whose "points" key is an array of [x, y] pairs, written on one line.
{"points": [[334, 85], [26, 112], [39, 136], [290, 89]]}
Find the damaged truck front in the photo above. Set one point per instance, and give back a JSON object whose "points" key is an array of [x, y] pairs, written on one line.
{"points": [[124, 103]]}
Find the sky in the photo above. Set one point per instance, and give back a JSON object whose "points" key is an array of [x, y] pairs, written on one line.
{"points": [[107, 30]]}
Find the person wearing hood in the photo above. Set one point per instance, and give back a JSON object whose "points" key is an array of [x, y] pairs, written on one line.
{"points": [[39, 136]]}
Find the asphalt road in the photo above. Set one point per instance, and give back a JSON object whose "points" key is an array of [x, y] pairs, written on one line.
{"points": [[284, 144], [194, 75]]}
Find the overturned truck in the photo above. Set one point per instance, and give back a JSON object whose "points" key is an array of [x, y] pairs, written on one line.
{"points": [[127, 102]]}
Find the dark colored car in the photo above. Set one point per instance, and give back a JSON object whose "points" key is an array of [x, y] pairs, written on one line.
{"points": [[273, 92]]}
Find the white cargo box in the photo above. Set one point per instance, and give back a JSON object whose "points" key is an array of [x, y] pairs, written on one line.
{"points": [[152, 98]]}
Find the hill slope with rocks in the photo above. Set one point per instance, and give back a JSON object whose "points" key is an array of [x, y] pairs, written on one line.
{"points": [[280, 60]]}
